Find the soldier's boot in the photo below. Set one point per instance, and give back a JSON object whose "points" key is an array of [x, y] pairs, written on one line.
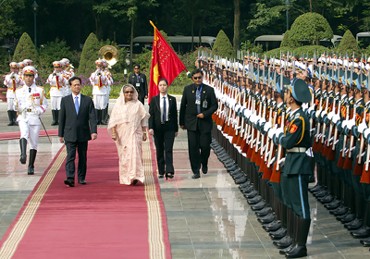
{"points": [[299, 249], [56, 117], [15, 123], [23, 146], [54, 122], [31, 168], [10, 117], [103, 117]]}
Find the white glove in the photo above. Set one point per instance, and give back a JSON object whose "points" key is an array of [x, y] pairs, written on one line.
{"points": [[267, 126], [279, 131], [366, 133], [351, 123], [362, 127], [37, 111], [312, 108], [335, 118], [330, 115], [323, 113], [317, 113], [261, 121], [271, 132]]}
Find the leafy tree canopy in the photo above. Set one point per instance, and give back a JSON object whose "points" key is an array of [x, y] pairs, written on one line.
{"points": [[311, 27], [348, 44], [222, 46], [25, 49]]}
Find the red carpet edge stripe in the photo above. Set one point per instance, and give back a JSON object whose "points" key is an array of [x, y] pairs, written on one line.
{"points": [[22, 223], [156, 223], [16, 134]]}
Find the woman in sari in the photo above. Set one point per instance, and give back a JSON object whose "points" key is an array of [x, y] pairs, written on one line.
{"points": [[127, 126]]}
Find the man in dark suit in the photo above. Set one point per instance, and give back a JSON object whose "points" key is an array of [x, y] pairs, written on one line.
{"points": [[198, 103], [138, 80], [77, 125], [163, 125]]}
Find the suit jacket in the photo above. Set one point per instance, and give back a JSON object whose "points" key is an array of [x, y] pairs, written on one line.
{"points": [[188, 108], [77, 127], [155, 114], [139, 79]]}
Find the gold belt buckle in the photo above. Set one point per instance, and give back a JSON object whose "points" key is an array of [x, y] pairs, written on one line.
{"points": [[29, 110]]}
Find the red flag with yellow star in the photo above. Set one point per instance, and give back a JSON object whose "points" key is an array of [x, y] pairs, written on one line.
{"points": [[165, 63]]}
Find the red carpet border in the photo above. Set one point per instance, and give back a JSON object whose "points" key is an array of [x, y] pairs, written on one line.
{"points": [[100, 220], [16, 134]]}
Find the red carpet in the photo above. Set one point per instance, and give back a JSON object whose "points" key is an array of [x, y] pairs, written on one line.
{"points": [[102, 219], [16, 134]]}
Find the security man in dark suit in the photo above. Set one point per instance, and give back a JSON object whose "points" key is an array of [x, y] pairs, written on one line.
{"points": [[296, 141], [198, 103], [163, 124], [138, 80], [77, 125]]}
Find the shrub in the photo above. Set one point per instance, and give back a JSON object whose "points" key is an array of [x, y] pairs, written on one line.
{"points": [[25, 49], [90, 53], [222, 46], [348, 45]]}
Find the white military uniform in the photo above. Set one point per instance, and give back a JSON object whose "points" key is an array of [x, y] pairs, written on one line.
{"points": [[99, 81], [12, 82], [58, 89], [31, 103]]}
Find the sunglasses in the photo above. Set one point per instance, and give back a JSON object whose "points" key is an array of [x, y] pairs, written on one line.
{"points": [[28, 75], [197, 77], [129, 92]]}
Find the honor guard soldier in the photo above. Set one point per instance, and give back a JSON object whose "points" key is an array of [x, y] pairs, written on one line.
{"points": [[297, 168], [12, 82], [99, 81], [30, 103], [67, 72], [138, 80], [58, 88], [108, 74]]}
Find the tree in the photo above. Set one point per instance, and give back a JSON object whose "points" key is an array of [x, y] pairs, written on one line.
{"points": [[236, 39], [90, 53], [8, 11], [348, 44], [311, 27], [25, 49], [288, 41], [222, 46]]}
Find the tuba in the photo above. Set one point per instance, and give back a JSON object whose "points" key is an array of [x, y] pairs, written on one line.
{"points": [[109, 53]]}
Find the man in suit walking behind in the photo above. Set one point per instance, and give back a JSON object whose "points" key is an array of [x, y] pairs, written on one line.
{"points": [[77, 125], [163, 125], [198, 103]]}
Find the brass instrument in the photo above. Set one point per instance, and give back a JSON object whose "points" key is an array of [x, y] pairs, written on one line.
{"points": [[109, 53]]}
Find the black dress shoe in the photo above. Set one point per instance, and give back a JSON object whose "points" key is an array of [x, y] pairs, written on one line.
{"points": [[69, 182], [332, 205], [326, 199], [339, 211], [320, 194], [273, 226], [255, 200], [284, 242], [241, 179], [81, 181], [363, 232], [263, 212], [134, 182], [195, 176], [346, 217], [296, 252], [354, 224], [278, 234], [169, 175], [31, 170], [316, 188], [286, 250], [259, 206], [204, 169], [251, 194], [365, 242], [267, 219], [160, 176]]}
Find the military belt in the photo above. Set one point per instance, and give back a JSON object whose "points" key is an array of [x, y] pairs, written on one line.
{"points": [[297, 150]]}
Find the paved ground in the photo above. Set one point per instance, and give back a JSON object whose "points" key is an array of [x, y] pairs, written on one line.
{"points": [[207, 217]]}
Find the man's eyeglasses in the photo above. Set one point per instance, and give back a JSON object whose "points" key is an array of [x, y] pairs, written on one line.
{"points": [[197, 77], [129, 92]]}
